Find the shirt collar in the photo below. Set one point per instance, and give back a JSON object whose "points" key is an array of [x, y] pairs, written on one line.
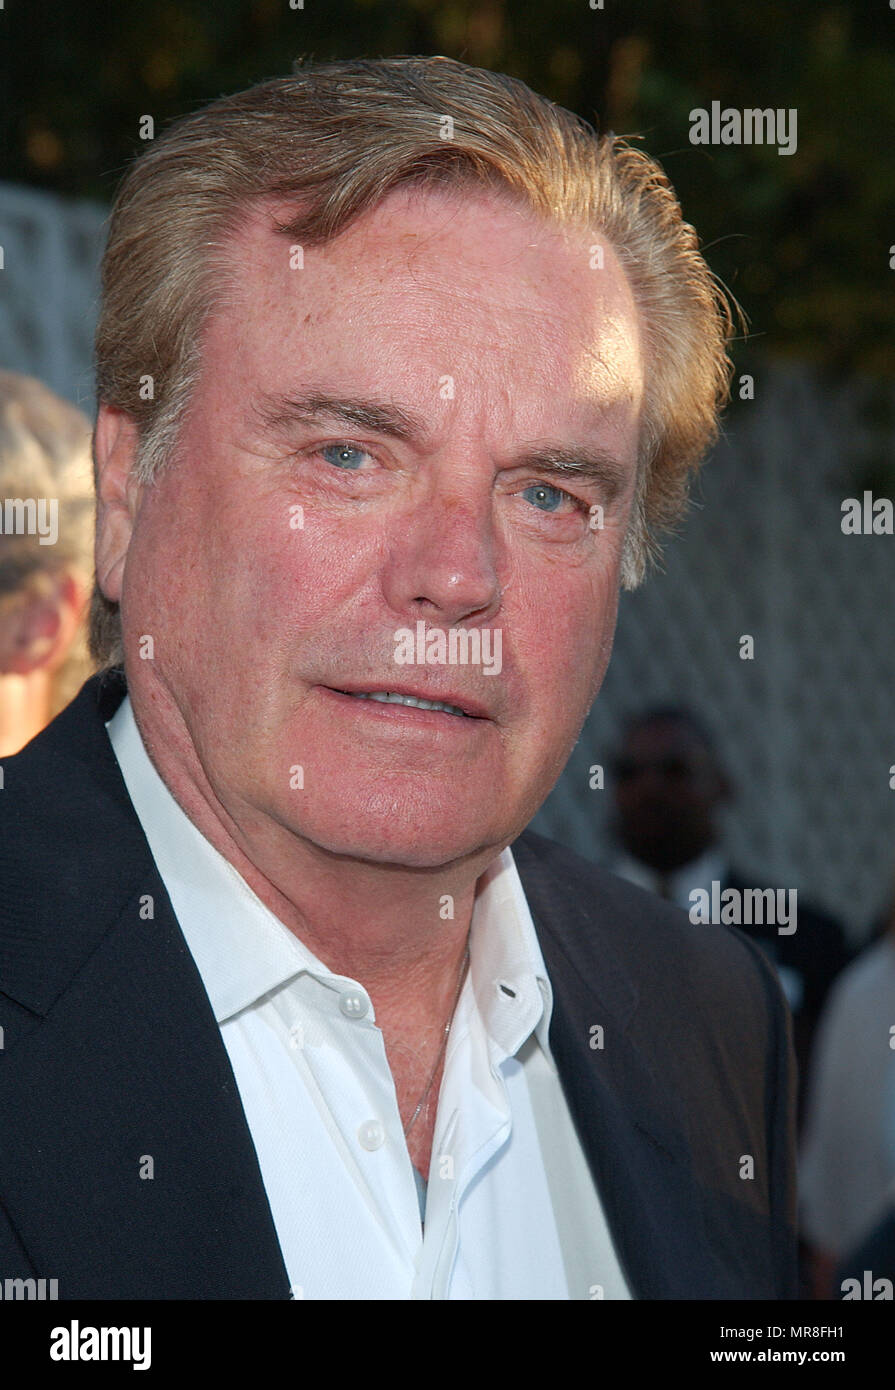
{"points": [[701, 872], [243, 951], [707, 868]]}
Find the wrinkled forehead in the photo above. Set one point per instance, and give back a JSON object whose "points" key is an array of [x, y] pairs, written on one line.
{"points": [[432, 277], [404, 215]]}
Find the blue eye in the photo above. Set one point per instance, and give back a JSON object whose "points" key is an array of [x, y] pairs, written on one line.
{"points": [[345, 457], [544, 492]]}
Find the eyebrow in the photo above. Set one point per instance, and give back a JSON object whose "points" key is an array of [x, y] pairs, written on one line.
{"points": [[585, 464], [279, 412]]}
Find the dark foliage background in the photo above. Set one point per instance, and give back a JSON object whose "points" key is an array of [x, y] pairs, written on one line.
{"points": [[802, 241]]}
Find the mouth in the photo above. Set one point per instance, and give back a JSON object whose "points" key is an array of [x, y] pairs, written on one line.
{"points": [[396, 697]]}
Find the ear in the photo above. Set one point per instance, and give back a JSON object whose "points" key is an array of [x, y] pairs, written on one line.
{"points": [[42, 625], [115, 445]]}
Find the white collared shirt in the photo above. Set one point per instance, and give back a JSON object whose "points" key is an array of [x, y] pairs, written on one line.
{"points": [[847, 1171], [511, 1211]]}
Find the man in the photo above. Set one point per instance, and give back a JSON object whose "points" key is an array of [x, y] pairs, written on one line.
{"points": [[391, 354], [670, 788], [46, 542]]}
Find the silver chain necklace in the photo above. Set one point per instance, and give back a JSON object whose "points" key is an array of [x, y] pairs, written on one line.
{"points": [[447, 1029]]}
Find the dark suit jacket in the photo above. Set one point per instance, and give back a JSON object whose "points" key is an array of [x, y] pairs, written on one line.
{"points": [[112, 1052], [816, 953]]}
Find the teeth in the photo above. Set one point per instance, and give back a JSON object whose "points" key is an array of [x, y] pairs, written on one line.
{"points": [[389, 698]]}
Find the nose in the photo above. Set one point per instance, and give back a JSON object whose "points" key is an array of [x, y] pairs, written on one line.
{"points": [[443, 562]]}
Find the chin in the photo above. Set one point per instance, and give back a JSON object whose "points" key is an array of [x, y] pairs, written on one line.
{"points": [[412, 841]]}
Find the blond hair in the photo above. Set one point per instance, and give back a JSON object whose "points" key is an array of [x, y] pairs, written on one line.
{"points": [[45, 453], [336, 138]]}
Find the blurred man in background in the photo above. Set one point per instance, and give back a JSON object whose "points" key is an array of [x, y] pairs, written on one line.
{"points": [[46, 556], [670, 788]]}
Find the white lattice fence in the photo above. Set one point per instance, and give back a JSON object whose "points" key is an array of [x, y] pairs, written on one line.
{"points": [[48, 289]]}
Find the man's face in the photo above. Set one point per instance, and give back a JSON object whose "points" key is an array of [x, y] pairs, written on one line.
{"points": [[429, 352], [667, 792]]}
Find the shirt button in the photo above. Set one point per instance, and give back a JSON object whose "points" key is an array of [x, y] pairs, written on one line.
{"points": [[371, 1135], [354, 1003]]}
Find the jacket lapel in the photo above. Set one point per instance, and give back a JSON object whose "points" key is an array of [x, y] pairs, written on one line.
{"points": [[635, 1146]]}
